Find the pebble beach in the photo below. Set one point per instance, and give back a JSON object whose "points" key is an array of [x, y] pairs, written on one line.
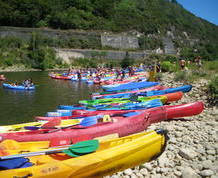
{"points": [[192, 148]]}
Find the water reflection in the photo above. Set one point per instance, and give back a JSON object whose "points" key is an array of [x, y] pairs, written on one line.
{"points": [[19, 92], [22, 106]]}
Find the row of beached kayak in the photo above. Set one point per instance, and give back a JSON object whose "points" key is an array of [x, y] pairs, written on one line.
{"points": [[95, 137], [108, 78]]}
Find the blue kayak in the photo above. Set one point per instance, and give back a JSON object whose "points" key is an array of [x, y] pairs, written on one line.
{"points": [[18, 87], [131, 86], [184, 89]]}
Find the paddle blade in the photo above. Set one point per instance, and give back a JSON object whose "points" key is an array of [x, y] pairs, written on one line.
{"points": [[31, 127], [88, 121], [82, 148], [52, 122]]}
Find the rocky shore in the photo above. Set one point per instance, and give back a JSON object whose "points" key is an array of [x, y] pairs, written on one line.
{"points": [[192, 149]]}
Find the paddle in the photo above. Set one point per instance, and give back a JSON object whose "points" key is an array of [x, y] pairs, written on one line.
{"points": [[88, 121], [75, 150], [48, 125]]}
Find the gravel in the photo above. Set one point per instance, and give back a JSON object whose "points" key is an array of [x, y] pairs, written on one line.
{"points": [[192, 150]]}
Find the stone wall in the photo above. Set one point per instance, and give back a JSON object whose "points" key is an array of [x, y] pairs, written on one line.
{"points": [[25, 33], [119, 41], [168, 46]]}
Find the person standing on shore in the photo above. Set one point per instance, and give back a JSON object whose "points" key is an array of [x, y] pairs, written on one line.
{"points": [[182, 64], [198, 61]]}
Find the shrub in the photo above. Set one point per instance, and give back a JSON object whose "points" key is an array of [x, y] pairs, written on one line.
{"points": [[213, 90], [167, 66], [9, 61], [171, 58], [126, 61]]}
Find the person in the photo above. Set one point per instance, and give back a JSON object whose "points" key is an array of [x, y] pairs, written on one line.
{"points": [[69, 71], [78, 74], [123, 73], [198, 61], [28, 83], [117, 73], [158, 67], [2, 77], [182, 64]]}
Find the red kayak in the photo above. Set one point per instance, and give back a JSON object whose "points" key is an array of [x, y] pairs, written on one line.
{"points": [[61, 77], [157, 87], [121, 125]]}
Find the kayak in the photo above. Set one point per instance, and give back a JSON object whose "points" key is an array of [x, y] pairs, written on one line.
{"points": [[17, 87], [21, 127], [124, 125], [99, 95], [109, 101], [131, 86], [111, 156], [184, 89], [61, 77]]}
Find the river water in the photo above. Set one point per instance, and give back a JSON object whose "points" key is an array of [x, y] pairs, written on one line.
{"points": [[22, 106]]}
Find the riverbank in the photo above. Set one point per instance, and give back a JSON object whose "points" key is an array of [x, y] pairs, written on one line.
{"points": [[22, 68], [192, 149]]}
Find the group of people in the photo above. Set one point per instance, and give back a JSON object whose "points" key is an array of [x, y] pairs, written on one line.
{"points": [[28, 83], [121, 73], [183, 63]]}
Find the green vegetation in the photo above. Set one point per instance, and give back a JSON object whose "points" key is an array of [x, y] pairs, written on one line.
{"points": [[193, 72], [127, 61], [213, 90], [32, 54], [167, 66]]}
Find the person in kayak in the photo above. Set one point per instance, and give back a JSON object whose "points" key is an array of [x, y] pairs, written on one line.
{"points": [[78, 74], [27, 83]]}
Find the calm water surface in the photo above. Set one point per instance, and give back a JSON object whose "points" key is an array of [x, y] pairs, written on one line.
{"points": [[21, 106]]}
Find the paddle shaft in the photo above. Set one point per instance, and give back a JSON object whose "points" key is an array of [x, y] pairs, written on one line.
{"points": [[37, 153], [33, 154]]}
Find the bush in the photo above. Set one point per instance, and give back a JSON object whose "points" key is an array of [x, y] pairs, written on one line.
{"points": [[126, 61], [171, 58], [213, 90], [167, 66]]}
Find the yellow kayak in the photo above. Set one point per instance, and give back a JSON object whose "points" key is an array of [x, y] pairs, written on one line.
{"points": [[20, 127], [112, 156]]}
